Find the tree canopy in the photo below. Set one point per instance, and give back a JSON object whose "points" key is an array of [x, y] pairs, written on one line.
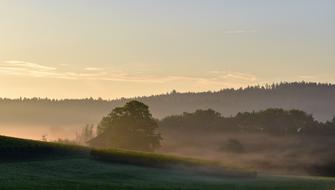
{"points": [[273, 121], [129, 127]]}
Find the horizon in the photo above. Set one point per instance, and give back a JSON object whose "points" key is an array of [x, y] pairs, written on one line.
{"points": [[112, 49], [170, 92]]}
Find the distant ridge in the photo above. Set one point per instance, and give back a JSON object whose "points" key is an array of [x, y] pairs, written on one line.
{"points": [[314, 98]]}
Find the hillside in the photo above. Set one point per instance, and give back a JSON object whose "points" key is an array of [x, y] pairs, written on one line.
{"points": [[70, 167], [313, 98]]}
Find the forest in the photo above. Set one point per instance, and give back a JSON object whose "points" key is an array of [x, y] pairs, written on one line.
{"points": [[273, 121], [313, 98], [273, 140]]}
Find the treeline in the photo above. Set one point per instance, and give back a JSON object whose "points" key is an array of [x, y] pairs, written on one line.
{"points": [[313, 98], [273, 139], [274, 121]]}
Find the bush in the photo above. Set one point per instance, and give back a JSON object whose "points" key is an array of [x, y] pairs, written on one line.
{"points": [[234, 146]]}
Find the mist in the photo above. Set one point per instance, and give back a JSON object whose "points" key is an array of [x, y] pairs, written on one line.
{"points": [[272, 139], [260, 152], [36, 132]]}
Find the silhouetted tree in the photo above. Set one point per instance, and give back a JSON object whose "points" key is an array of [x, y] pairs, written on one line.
{"points": [[129, 127], [273, 121], [199, 120]]}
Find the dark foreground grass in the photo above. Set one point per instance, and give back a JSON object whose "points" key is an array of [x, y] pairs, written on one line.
{"points": [[169, 162], [147, 158], [16, 149], [26, 164], [91, 174]]}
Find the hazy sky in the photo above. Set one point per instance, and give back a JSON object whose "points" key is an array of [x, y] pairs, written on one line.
{"points": [[109, 49]]}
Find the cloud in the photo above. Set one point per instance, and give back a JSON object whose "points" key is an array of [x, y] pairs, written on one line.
{"points": [[24, 68], [30, 69], [74, 75], [227, 75], [92, 69], [210, 80], [26, 65], [240, 76], [307, 77], [214, 81]]}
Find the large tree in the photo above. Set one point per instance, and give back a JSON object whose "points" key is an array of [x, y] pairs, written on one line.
{"points": [[129, 127]]}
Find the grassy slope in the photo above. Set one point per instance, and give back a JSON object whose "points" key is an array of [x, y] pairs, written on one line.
{"points": [[91, 174], [82, 172]]}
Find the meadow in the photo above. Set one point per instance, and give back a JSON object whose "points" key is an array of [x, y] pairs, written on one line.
{"points": [[27, 164]]}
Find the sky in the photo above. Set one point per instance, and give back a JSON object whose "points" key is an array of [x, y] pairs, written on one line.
{"points": [[126, 48]]}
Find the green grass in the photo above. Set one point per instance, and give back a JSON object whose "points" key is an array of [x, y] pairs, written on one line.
{"points": [[118, 169], [15, 149], [91, 174], [169, 161], [144, 158]]}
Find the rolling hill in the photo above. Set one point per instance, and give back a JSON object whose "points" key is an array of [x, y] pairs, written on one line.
{"points": [[27, 164], [313, 98]]}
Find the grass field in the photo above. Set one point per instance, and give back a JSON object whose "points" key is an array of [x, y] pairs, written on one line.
{"points": [[82, 171]]}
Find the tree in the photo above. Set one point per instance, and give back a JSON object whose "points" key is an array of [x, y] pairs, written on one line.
{"points": [[129, 127], [86, 134]]}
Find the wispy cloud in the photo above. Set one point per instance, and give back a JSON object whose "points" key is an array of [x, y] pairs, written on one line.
{"points": [[210, 80], [307, 77], [227, 75], [30, 69], [92, 69], [14, 64]]}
